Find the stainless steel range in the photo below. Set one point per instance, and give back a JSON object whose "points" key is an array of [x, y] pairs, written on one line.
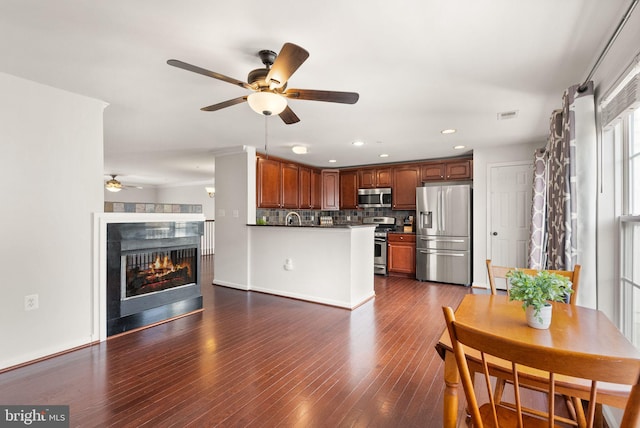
{"points": [[383, 225]]}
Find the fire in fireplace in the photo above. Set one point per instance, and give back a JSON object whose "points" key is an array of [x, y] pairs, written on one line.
{"points": [[152, 271]]}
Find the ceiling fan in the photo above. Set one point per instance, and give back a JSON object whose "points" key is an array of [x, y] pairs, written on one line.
{"points": [[114, 185], [269, 84]]}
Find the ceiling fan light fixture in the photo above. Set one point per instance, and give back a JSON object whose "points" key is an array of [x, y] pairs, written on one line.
{"points": [[267, 103], [113, 185]]}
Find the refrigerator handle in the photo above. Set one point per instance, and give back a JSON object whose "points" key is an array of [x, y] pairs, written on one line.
{"points": [[439, 208], [444, 226]]}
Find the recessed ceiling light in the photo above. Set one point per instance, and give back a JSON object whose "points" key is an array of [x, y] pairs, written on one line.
{"points": [[459, 147], [448, 131], [384, 155], [299, 150], [332, 161], [358, 143]]}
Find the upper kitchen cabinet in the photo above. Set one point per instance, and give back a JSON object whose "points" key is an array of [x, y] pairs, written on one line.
{"points": [[290, 185], [269, 186], [316, 189], [277, 183], [348, 189], [370, 178], [454, 169], [405, 180], [310, 188], [432, 171], [330, 190], [459, 170], [304, 181]]}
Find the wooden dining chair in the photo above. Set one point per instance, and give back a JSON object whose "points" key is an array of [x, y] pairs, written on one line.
{"points": [[500, 272], [574, 405], [473, 346]]}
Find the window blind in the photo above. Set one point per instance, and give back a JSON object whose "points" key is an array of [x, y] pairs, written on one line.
{"points": [[626, 95]]}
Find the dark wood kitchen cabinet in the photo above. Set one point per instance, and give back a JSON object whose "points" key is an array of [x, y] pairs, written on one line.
{"points": [[432, 171], [304, 181], [290, 185], [401, 254], [269, 186], [459, 169], [316, 189], [278, 184], [370, 178], [348, 189], [405, 180], [330, 190]]}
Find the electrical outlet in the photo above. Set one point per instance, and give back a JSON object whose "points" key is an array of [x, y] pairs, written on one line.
{"points": [[31, 302]]}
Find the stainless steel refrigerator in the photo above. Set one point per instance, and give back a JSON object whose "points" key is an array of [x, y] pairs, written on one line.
{"points": [[443, 232]]}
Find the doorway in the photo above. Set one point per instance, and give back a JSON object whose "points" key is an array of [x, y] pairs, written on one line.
{"points": [[509, 213]]}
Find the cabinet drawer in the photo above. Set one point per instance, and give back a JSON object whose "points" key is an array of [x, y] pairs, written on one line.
{"points": [[401, 237]]}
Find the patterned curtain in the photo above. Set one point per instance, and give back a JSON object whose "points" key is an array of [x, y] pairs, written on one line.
{"points": [[555, 205], [538, 230]]}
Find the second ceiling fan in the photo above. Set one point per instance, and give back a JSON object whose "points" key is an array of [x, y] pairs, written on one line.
{"points": [[269, 84]]}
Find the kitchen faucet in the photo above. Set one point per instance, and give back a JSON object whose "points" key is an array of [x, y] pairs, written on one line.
{"points": [[289, 218]]}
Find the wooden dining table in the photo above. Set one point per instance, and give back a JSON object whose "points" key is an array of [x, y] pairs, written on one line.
{"points": [[573, 328]]}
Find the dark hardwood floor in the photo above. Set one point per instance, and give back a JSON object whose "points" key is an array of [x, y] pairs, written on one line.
{"points": [[252, 359]]}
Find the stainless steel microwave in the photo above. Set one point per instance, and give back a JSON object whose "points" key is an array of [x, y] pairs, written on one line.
{"points": [[374, 198]]}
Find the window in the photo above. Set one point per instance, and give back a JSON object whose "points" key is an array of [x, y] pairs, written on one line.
{"points": [[621, 118], [630, 231]]}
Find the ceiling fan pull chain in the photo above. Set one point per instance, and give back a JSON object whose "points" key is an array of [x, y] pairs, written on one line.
{"points": [[266, 151]]}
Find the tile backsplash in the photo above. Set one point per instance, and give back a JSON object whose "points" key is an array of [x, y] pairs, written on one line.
{"points": [[142, 207], [277, 216]]}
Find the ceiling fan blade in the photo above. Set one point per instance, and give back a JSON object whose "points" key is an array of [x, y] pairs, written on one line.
{"points": [[204, 72], [328, 96], [287, 62], [288, 116], [224, 104]]}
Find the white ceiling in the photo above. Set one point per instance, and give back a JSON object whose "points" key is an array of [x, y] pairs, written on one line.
{"points": [[420, 66]]}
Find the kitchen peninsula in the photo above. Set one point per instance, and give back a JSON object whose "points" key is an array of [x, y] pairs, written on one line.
{"points": [[329, 265]]}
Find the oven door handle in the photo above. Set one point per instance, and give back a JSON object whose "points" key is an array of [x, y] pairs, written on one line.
{"points": [[380, 239]]}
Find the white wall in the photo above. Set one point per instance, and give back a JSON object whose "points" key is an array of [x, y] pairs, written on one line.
{"points": [[146, 194], [332, 266], [189, 194], [235, 208], [482, 158], [192, 194], [46, 245]]}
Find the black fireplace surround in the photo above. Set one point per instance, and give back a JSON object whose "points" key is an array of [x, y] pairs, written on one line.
{"points": [[153, 273]]}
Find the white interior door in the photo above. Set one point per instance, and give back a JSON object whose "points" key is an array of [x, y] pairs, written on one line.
{"points": [[509, 213]]}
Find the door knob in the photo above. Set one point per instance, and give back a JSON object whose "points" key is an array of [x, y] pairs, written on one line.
{"points": [[495, 233]]}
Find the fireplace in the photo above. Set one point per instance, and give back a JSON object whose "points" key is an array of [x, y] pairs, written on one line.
{"points": [[153, 273]]}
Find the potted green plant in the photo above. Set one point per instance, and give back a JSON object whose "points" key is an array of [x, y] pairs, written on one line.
{"points": [[536, 292]]}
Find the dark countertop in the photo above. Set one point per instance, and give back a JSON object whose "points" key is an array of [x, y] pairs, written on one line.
{"points": [[401, 231], [315, 226]]}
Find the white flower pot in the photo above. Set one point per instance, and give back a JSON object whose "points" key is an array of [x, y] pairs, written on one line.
{"points": [[534, 321]]}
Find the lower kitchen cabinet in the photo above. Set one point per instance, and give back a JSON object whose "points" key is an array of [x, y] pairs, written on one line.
{"points": [[401, 254]]}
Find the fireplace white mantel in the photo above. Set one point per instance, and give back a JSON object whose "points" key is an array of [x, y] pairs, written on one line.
{"points": [[100, 222]]}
